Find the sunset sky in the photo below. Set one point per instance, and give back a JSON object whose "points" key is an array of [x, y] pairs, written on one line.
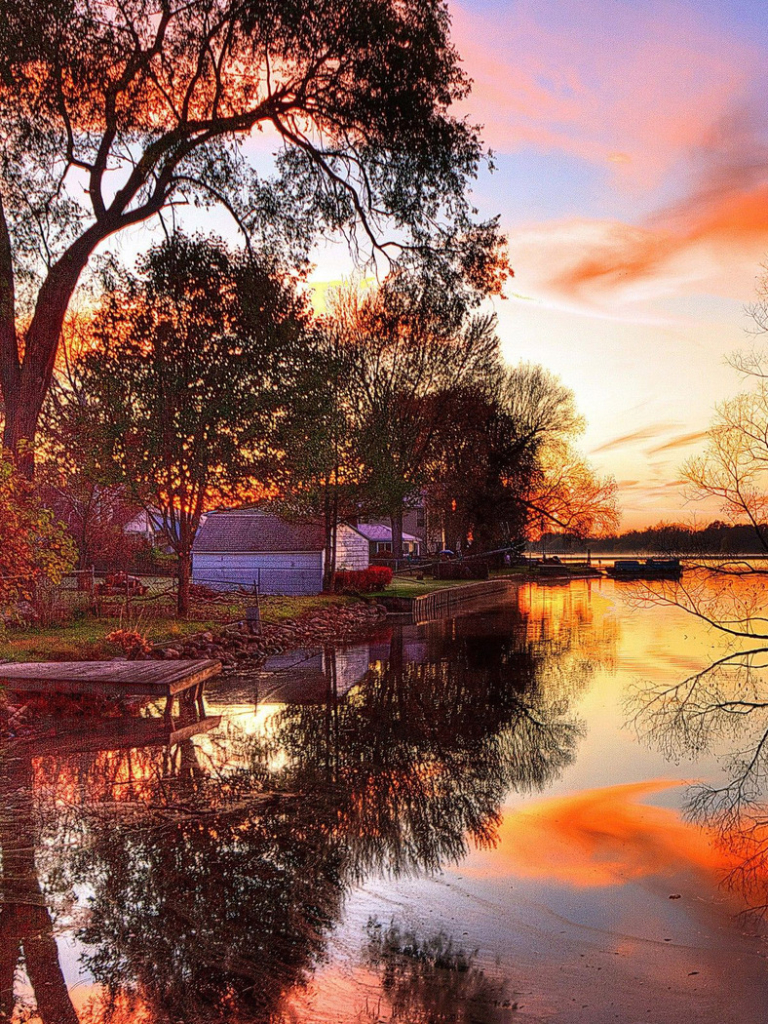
{"points": [[632, 178]]}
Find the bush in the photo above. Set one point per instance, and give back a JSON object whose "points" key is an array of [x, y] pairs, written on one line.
{"points": [[131, 641], [364, 581]]}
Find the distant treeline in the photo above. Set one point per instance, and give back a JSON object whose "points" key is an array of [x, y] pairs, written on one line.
{"points": [[668, 538]]}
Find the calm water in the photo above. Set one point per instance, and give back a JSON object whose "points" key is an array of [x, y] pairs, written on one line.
{"points": [[543, 811]]}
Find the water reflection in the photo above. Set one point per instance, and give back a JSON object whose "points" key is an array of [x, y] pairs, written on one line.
{"points": [[201, 872], [432, 980], [721, 710]]}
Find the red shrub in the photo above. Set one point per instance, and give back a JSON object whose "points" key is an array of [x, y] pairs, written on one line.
{"points": [[131, 641], [364, 581]]}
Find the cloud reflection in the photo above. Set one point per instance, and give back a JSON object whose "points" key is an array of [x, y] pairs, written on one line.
{"points": [[604, 837]]}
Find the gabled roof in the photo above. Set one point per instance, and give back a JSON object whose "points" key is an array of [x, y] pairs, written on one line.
{"points": [[379, 532], [257, 531]]}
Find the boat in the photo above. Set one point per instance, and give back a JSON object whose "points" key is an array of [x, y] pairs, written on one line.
{"points": [[647, 569]]}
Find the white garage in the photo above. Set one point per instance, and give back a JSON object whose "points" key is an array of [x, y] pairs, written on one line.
{"points": [[269, 553]]}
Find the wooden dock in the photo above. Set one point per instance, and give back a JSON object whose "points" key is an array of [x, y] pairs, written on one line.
{"points": [[111, 680], [66, 740]]}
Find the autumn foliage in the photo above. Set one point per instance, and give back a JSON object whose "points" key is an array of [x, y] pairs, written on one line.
{"points": [[35, 547], [130, 641]]}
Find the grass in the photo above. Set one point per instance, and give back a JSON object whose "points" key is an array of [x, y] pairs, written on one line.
{"points": [[84, 639], [406, 586]]}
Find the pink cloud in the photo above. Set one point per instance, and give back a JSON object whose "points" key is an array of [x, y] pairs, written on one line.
{"points": [[628, 86], [722, 220]]}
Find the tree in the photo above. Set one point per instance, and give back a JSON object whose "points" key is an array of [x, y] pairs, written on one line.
{"points": [[733, 469], [190, 360], [111, 113], [508, 467], [319, 467], [75, 477], [410, 349], [569, 497], [35, 547]]}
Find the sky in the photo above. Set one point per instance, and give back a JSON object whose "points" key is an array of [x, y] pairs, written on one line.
{"points": [[630, 141]]}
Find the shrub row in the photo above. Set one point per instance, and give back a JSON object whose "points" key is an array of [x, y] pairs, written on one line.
{"points": [[364, 581]]}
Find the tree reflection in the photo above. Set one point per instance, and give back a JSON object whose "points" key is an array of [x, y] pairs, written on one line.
{"points": [[216, 866], [418, 764], [721, 710], [432, 980], [26, 925]]}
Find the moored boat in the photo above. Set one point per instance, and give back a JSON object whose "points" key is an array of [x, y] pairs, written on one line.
{"points": [[646, 569]]}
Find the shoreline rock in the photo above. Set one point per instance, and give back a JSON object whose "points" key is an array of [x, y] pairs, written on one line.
{"points": [[235, 644]]}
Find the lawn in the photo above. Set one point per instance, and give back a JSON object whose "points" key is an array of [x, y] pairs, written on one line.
{"points": [[404, 586], [407, 586], [84, 639]]}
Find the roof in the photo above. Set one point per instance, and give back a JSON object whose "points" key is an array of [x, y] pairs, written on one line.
{"points": [[257, 531], [377, 531]]}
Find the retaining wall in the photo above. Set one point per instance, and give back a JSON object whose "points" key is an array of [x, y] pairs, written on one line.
{"points": [[440, 603]]}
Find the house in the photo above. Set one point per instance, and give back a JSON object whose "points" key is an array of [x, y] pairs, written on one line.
{"points": [[379, 537], [274, 555], [148, 525]]}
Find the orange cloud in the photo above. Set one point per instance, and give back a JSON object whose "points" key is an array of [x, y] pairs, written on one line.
{"points": [[643, 434], [604, 837], [723, 216], [682, 441], [725, 227]]}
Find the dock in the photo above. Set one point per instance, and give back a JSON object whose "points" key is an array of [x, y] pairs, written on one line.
{"points": [[111, 680], [67, 740]]}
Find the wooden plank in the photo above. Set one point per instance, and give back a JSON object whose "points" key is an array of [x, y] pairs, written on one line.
{"points": [[108, 678], [205, 671]]}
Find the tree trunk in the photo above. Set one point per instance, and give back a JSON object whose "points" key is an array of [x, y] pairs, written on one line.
{"points": [[185, 575], [25, 382], [397, 534], [21, 419], [26, 920]]}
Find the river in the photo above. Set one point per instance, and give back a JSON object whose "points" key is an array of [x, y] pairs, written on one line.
{"points": [[545, 810]]}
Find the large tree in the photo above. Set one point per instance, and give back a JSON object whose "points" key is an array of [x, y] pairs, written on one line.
{"points": [[189, 367], [111, 112], [507, 466], [411, 349]]}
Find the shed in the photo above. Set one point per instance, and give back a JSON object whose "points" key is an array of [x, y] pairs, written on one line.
{"points": [[273, 554]]}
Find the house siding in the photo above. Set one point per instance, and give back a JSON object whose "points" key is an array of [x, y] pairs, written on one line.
{"points": [[351, 549], [281, 572]]}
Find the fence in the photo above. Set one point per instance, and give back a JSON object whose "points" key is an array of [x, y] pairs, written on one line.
{"points": [[85, 592], [441, 603]]}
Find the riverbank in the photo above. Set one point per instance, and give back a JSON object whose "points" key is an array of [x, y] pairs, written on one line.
{"points": [[86, 639], [287, 623], [235, 644]]}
